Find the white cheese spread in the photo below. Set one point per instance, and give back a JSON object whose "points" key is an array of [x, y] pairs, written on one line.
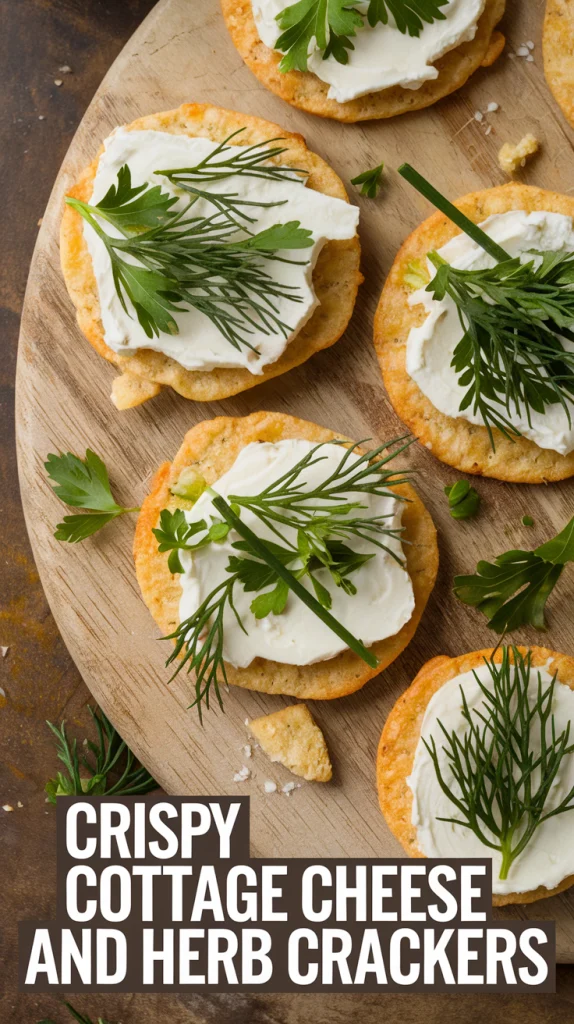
{"points": [[382, 56], [200, 345], [549, 856], [384, 601], [430, 347]]}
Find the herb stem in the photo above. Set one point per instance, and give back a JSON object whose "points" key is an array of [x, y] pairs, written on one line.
{"points": [[263, 552], [453, 213]]}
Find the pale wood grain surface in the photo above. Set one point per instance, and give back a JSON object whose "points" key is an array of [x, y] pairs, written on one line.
{"points": [[182, 53]]}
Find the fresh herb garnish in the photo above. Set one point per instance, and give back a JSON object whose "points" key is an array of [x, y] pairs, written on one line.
{"points": [[185, 262], [527, 521], [370, 181], [502, 782], [516, 317], [83, 484], [463, 500], [229, 161], [333, 23], [110, 768], [322, 521], [513, 590], [175, 534]]}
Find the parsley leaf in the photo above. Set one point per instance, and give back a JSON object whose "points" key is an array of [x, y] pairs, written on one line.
{"points": [[127, 207], [175, 534], [333, 23], [370, 181], [83, 484], [513, 590], [280, 236]]}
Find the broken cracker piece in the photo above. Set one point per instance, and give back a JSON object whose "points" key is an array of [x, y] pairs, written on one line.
{"points": [[292, 737], [128, 391], [510, 157]]}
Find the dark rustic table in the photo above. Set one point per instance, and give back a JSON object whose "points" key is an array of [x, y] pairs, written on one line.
{"points": [[38, 680]]}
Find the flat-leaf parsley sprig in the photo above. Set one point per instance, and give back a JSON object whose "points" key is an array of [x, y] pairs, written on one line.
{"points": [[333, 24], [515, 318], [83, 483], [496, 777], [513, 590], [315, 529], [184, 262]]}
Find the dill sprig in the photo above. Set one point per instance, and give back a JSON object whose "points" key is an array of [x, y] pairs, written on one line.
{"points": [[497, 779], [516, 317], [230, 161], [184, 261], [333, 24], [110, 768], [323, 519]]}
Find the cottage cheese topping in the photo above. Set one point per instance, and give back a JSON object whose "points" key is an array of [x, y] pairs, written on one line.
{"points": [[383, 604], [199, 344], [549, 856], [430, 347], [382, 56]]}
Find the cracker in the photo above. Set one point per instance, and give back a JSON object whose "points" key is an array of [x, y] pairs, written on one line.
{"points": [[304, 90], [211, 448], [401, 734], [336, 277], [293, 738], [557, 39], [465, 446]]}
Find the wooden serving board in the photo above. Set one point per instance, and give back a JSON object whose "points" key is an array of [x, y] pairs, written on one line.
{"points": [[182, 53]]}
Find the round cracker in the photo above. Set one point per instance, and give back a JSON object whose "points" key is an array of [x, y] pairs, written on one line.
{"points": [[400, 738], [211, 448], [465, 446], [304, 90], [557, 53], [336, 276]]}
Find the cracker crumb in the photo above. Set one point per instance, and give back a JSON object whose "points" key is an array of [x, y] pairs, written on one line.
{"points": [[65, 69], [19, 804], [293, 738], [242, 775], [288, 787], [488, 130], [269, 786], [522, 51], [530, 57], [7, 807], [478, 115], [41, 117], [247, 750], [58, 82], [510, 157], [4, 651], [492, 107]]}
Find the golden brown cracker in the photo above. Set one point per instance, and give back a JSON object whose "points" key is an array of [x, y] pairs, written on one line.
{"points": [[304, 90], [453, 440], [293, 738], [211, 448], [558, 53], [400, 738], [336, 276]]}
